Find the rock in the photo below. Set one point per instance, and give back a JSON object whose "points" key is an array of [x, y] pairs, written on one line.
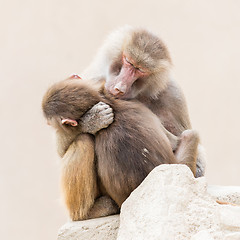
{"points": [[230, 217], [171, 204], [225, 193], [232, 236], [95, 229], [202, 235]]}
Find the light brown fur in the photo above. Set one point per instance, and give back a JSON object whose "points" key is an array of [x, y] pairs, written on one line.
{"points": [[79, 180], [97, 176], [156, 89]]}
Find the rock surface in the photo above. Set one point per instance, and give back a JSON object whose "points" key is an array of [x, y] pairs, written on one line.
{"points": [[225, 193], [96, 229], [170, 204]]}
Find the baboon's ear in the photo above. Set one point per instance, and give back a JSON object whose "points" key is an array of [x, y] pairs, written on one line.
{"points": [[70, 122]]}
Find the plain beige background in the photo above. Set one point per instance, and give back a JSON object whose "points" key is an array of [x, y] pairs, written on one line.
{"points": [[45, 41]]}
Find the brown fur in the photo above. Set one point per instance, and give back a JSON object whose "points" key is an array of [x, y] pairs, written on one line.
{"points": [[169, 103], [125, 152], [156, 89]]}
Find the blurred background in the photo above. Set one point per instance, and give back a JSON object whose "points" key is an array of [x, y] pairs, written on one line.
{"points": [[45, 41]]}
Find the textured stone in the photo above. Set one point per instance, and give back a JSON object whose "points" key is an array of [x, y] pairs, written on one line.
{"points": [[225, 193], [232, 236], [95, 229], [202, 235], [170, 204], [230, 217]]}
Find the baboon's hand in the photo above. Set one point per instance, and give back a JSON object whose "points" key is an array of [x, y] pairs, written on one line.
{"points": [[98, 117]]}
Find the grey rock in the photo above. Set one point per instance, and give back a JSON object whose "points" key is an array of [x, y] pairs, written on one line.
{"points": [[95, 229], [225, 193], [170, 204]]}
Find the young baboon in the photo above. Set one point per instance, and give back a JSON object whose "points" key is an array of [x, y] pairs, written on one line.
{"points": [[99, 174]]}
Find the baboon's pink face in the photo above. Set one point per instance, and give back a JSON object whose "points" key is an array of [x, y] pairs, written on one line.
{"points": [[121, 86]]}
